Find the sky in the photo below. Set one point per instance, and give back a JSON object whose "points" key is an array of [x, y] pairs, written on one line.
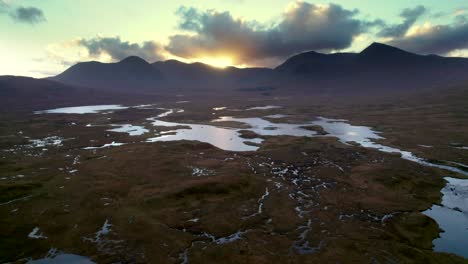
{"points": [[41, 38]]}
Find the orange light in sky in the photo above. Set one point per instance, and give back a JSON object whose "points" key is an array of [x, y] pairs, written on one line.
{"points": [[219, 62]]}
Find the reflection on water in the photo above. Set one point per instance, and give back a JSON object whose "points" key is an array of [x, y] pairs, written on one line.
{"points": [[56, 257], [63, 259], [89, 109], [228, 138], [363, 136], [223, 138], [166, 112], [276, 116], [267, 107], [345, 132], [112, 144], [266, 128], [452, 217], [219, 108], [131, 130]]}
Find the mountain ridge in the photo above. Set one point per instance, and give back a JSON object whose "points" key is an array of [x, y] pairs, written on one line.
{"points": [[377, 67]]}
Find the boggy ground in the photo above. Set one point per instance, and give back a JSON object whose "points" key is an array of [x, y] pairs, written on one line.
{"points": [[295, 200]]}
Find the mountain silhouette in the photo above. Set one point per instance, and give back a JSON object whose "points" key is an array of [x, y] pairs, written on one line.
{"points": [[127, 74], [378, 68]]}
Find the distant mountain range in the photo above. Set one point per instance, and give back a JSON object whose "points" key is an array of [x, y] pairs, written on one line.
{"points": [[130, 73], [134, 74], [378, 69]]}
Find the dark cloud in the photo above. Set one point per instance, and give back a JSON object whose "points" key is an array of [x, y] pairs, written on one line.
{"points": [[460, 19], [31, 15], [439, 39], [118, 49], [302, 27], [410, 16]]}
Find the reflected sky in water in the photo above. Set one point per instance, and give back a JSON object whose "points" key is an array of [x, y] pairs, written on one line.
{"points": [[62, 258], [452, 217], [220, 137], [228, 138], [89, 109]]}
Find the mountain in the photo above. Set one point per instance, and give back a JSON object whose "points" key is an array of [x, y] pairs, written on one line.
{"points": [[378, 68], [130, 73], [203, 76], [174, 70], [317, 65], [379, 51], [135, 75]]}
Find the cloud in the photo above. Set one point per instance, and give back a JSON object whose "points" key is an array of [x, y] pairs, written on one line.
{"points": [[458, 53], [118, 49], [3, 7], [303, 26], [62, 55], [410, 16], [460, 11], [435, 39], [31, 15]]}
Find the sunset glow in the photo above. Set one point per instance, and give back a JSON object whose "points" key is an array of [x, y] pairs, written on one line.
{"points": [[218, 62], [44, 41]]}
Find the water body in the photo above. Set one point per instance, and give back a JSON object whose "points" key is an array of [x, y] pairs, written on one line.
{"points": [[48, 141], [145, 106], [452, 217], [89, 109], [228, 138], [63, 258], [112, 144], [266, 128], [276, 116], [56, 257], [35, 233], [131, 130], [220, 137], [267, 107], [364, 136], [219, 108], [166, 112]]}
